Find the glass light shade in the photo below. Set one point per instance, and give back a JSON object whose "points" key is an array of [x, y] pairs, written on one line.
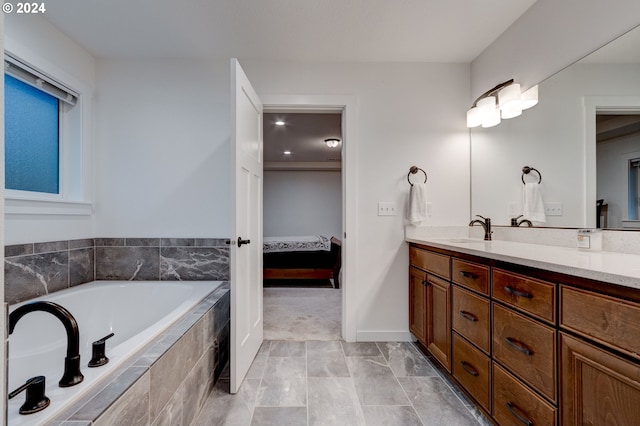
{"points": [[332, 143], [509, 97], [530, 97], [492, 118], [474, 118]]}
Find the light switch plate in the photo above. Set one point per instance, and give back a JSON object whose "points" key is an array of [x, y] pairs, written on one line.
{"points": [[387, 209]]}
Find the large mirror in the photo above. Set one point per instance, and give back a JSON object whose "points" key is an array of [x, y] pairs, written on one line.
{"points": [[582, 137]]}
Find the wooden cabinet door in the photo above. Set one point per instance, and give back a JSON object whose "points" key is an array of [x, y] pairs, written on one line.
{"points": [[439, 319], [418, 304], [598, 388]]}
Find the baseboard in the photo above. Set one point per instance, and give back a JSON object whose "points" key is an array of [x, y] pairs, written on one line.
{"points": [[384, 336]]}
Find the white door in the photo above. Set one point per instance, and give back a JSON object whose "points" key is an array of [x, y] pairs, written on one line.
{"points": [[246, 243]]}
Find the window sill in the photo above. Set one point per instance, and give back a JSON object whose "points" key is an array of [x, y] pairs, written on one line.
{"points": [[20, 206]]}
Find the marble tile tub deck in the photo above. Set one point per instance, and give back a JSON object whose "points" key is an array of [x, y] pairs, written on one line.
{"points": [[168, 381], [338, 383]]}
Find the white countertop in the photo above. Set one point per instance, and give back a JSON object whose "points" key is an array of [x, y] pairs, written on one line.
{"points": [[614, 268]]}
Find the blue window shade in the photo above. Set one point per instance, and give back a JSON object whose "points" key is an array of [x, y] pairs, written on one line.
{"points": [[31, 138]]}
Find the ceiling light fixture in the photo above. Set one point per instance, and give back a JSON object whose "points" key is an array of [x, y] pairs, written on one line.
{"points": [[501, 102], [332, 142], [279, 123]]}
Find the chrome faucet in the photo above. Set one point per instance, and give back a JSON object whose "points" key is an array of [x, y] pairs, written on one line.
{"points": [[516, 222], [486, 225], [72, 375]]}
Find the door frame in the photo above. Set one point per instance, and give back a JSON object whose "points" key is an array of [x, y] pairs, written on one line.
{"points": [[347, 105], [592, 105]]}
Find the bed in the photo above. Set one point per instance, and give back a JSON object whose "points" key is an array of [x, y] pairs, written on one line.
{"points": [[314, 257]]}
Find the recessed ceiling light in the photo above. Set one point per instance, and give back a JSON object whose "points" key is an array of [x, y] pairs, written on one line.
{"points": [[279, 123], [287, 153]]}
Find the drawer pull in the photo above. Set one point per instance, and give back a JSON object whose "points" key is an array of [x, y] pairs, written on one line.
{"points": [[468, 275], [468, 316], [517, 293], [424, 282], [514, 410], [519, 346], [469, 369]]}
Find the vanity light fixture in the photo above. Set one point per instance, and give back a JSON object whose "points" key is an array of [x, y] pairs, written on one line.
{"points": [[279, 123], [287, 153], [332, 142], [504, 101]]}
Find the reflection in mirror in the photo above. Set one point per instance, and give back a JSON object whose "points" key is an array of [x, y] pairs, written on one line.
{"points": [[558, 138]]}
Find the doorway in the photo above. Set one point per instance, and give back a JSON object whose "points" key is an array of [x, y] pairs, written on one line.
{"points": [[302, 232], [345, 106]]}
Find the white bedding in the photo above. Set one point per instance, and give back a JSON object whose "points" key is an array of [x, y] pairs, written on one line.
{"points": [[296, 243]]}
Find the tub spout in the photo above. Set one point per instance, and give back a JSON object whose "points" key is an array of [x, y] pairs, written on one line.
{"points": [[72, 375]]}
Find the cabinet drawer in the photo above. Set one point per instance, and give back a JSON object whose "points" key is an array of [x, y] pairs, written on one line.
{"points": [[471, 317], [472, 369], [433, 262], [514, 404], [535, 297], [609, 320], [527, 348], [471, 275]]}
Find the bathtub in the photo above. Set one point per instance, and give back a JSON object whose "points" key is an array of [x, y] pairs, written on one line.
{"points": [[135, 311]]}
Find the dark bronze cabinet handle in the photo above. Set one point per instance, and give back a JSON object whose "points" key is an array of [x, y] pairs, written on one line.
{"points": [[425, 282], [513, 409], [468, 316], [519, 346], [469, 369], [468, 275], [517, 293]]}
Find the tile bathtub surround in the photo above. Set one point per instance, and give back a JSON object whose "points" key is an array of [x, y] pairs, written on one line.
{"points": [[169, 381], [37, 269]]}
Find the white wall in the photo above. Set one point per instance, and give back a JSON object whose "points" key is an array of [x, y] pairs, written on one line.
{"points": [[407, 114], [36, 41], [549, 36], [302, 203], [163, 154]]}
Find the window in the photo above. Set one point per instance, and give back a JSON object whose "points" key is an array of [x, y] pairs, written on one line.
{"points": [[43, 142], [31, 138]]}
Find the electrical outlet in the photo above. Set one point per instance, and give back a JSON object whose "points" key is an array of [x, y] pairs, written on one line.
{"points": [[387, 209], [553, 209]]}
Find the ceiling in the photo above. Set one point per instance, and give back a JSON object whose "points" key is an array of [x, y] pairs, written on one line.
{"points": [[303, 135], [292, 30]]}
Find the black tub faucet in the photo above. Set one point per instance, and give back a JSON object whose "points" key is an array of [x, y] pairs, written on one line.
{"points": [[72, 375], [486, 225]]}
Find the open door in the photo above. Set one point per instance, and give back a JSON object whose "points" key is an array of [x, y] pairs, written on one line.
{"points": [[246, 242]]}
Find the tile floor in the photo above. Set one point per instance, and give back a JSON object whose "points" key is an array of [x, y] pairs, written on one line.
{"points": [[338, 383]]}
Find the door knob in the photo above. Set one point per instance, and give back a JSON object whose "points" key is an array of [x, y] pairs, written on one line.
{"points": [[241, 241]]}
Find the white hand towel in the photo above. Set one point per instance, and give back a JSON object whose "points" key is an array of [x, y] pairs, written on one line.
{"points": [[532, 204], [417, 203]]}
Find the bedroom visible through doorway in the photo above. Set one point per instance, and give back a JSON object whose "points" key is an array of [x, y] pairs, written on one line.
{"points": [[303, 225]]}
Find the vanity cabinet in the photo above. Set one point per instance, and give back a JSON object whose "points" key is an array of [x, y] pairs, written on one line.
{"points": [[528, 346], [430, 302]]}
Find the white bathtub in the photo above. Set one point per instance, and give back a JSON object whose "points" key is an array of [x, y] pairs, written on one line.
{"points": [[136, 311]]}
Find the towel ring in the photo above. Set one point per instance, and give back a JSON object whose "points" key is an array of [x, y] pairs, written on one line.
{"points": [[412, 171], [526, 170]]}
